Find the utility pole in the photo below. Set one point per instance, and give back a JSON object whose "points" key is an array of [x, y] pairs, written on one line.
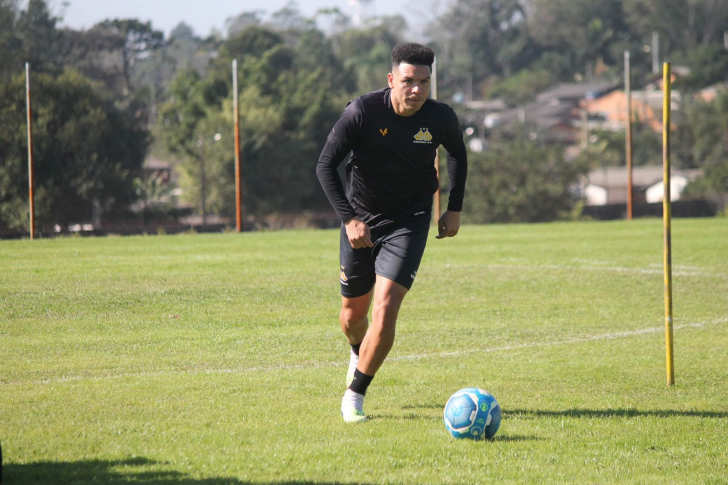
{"points": [[238, 168], [203, 180], [628, 94], [31, 183]]}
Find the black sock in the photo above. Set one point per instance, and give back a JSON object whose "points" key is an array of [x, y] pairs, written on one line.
{"points": [[360, 383], [355, 348]]}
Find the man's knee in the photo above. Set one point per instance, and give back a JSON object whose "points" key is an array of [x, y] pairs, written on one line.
{"points": [[353, 317], [388, 300]]}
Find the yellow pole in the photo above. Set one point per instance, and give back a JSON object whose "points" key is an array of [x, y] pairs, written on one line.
{"points": [[667, 220]]}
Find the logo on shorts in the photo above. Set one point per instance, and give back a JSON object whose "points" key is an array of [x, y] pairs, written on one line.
{"points": [[423, 136], [413, 274], [343, 276]]}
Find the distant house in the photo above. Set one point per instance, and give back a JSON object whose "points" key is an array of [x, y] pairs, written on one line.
{"points": [[158, 170], [711, 92], [647, 107], [647, 104], [555, 116], [609, 185]]}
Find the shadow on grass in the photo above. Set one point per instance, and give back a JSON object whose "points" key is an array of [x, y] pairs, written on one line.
{"points": [[115, 473], [514, 438], [615, 413]]}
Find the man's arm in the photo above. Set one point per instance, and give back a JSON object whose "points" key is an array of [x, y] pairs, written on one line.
{"points": [[457, 169], [338, 145]]}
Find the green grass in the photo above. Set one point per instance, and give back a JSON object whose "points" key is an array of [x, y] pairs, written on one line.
{"points": [[211, 359]]}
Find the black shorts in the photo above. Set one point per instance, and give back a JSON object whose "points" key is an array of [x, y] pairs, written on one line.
{"points": [[396, 255]]}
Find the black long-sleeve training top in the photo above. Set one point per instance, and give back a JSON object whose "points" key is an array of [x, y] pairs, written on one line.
{"points": [[391, 173]]}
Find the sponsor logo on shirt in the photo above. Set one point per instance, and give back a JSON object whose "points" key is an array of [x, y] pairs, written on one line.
{"points": [[423, 136], [384, 131]]}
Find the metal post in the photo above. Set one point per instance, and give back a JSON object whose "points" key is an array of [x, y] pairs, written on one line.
{"points": [[31, 183], [238, 171], [433, 94], [667, 220], [628, 94], [203, 180], [655, 52]]}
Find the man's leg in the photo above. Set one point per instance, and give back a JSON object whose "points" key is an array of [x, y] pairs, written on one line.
{"points": [[353, 317], [379, 339], [354, 324], [375, 347]]}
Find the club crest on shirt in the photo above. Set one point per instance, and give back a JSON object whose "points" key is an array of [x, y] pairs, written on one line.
{"points": [[423, 136]]}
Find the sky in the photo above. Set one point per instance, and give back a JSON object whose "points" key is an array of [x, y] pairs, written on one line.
{"points": [[204, 15]]}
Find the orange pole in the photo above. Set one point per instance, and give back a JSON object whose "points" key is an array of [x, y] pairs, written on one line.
{"points": [[628, 92], [238, 170], [31, 183]]}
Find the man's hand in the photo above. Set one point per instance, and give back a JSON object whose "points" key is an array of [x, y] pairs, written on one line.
{"points": [[358, 234], [448, 225]]}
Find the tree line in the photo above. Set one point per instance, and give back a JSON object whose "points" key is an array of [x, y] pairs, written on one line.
{"points": [[108, 96]]}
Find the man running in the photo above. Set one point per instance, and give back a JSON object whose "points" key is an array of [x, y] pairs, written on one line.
{"points": [[393, 135]]}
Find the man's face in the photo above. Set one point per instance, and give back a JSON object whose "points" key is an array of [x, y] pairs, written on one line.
{"points": [[410, 87]]}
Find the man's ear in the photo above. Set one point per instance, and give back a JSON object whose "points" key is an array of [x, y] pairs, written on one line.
{"points": [[390, 80]]}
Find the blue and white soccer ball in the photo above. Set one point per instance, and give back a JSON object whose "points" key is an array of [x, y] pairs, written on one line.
{"points": [[472, 413]]}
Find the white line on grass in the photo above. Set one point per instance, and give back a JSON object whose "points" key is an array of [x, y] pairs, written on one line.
{"points": [[316, 365], [614, 269], [576, 340]]}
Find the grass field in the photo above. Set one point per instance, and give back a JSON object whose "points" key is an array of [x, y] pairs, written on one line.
{"points": [[211, 359]]}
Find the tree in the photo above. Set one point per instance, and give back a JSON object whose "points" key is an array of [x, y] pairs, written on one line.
{"points": [[290, 97], [708, 122], [682, 24], [366, 53], [608, 147], [522, 87], [85, 152], [519, 181], [38, 37], [708, 65], [477, 39], [238, 24], [133, 40], [582, 32], [9, 42]]}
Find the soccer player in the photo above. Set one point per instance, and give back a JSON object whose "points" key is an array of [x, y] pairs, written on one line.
{"points": [[393, 135]]}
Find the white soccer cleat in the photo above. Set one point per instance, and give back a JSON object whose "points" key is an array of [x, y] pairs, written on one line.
{"points": [[353, 415], [353, 362], [352, 407]]}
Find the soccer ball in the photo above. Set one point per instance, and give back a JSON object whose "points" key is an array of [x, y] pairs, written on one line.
{"points": [[472, 413]]}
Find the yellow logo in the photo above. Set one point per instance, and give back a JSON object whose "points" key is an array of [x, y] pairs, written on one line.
{"points": [[384, 131], [343, 275], [423, 136]]}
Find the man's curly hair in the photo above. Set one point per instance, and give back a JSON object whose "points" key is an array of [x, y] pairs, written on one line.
{"points": [[415, 54]]}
